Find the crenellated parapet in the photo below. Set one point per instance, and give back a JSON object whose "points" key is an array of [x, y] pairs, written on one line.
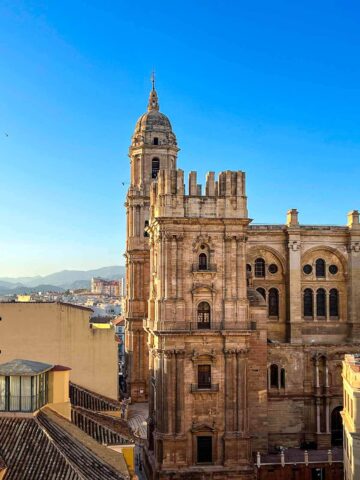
{"points": [[222, 198]]}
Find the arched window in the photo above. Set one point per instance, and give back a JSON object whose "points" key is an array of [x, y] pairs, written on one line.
{"points": [[334, 303], [203, 261], [273, 302], [274, 376], [320, 267], [259, 267], [203, 315], [308, 303], [321, 303], [155, 167], [262, 292], [282, 378]]}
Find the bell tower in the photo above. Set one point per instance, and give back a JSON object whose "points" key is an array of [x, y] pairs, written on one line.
{"points": [[153, 147]]}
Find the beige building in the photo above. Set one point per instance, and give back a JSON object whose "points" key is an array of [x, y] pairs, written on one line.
{"points": [[105, 287], [38, 439], [235, 333], [61, 334], [351, 416]]}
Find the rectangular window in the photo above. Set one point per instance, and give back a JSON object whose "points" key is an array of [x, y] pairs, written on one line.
{"points": [[318, 474], [2, 393], [204, 449], [204, 376], [15, 393]]}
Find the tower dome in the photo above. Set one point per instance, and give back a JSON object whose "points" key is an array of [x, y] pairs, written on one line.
{"points": [[153, 127]]}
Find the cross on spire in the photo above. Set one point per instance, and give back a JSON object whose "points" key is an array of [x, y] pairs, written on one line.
{"points": [[153, 99], [153, 80]]}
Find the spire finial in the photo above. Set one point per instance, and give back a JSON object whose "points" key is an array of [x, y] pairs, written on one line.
{"points": [[153, 99]]}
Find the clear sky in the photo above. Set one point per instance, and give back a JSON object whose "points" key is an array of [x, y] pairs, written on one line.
{"points": [[272, 88]]}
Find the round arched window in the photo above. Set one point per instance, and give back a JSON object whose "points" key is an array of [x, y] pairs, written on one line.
{"points": [[203, 315], [203, 264]]}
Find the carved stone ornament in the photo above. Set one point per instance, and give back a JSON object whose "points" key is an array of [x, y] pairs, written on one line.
{"points": [[354, 247], [203, 239], [294, 245], [196, 356]]}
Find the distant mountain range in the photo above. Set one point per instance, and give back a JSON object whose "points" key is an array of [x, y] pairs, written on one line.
{"points": [[59, 281]]}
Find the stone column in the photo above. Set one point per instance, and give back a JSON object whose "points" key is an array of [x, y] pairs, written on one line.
{"points": [[241, 267], [173, 272], [179, 391], [354, 274], [294, 266], [230, 386], [169, 392], [241, 391], [180, 269]]}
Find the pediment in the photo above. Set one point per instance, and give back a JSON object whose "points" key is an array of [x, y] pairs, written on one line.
{"points": [[202, 288]]}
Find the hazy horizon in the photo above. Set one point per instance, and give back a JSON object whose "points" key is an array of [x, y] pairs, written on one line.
{"points": [[270, 88]]}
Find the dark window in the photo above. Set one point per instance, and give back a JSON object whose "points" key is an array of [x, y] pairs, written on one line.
{"points": [[204, 449], [156, 141], [307, 269], [204, 376], [202, 261], [321, 303], [274, 376], [336, 427], [146, 225], [320, 267], [262, 292], [333, 269], [203, 317], [273, 268], [282, 378], [155, 167], [318, 474], [334, 303], [259, 267], [273, 302], [308, 303]]}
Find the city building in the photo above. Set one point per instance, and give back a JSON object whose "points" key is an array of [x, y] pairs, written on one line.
{"points": [[62, 334], [351, 416], [235, 333], [38, 438], [105, 287]]}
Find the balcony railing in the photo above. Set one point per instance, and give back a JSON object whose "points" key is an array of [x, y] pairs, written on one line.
{"points": [[23, 403], [198, 326], [214, 387], [209, 268]]}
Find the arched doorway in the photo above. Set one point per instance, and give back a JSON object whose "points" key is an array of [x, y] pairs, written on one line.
{"points": [[336, 427]]}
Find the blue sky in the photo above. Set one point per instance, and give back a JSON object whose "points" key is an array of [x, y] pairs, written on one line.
{"points": [[272, 88]]}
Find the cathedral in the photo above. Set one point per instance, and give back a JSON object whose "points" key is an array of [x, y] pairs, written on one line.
{"points": [[235, 333]]}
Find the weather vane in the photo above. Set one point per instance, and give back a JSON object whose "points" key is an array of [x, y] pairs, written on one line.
{"points": [[153, 79]]}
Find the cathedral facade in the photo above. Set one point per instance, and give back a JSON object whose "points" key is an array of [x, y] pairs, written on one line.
{"points": [[235, 333]]}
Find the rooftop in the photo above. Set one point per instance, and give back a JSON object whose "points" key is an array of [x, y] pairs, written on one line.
{"points": [[51, 447], [24, 367]]}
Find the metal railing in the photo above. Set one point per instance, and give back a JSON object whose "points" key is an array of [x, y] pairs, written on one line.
{"points": [[209, 268], [214, 387], [198, 326]]}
